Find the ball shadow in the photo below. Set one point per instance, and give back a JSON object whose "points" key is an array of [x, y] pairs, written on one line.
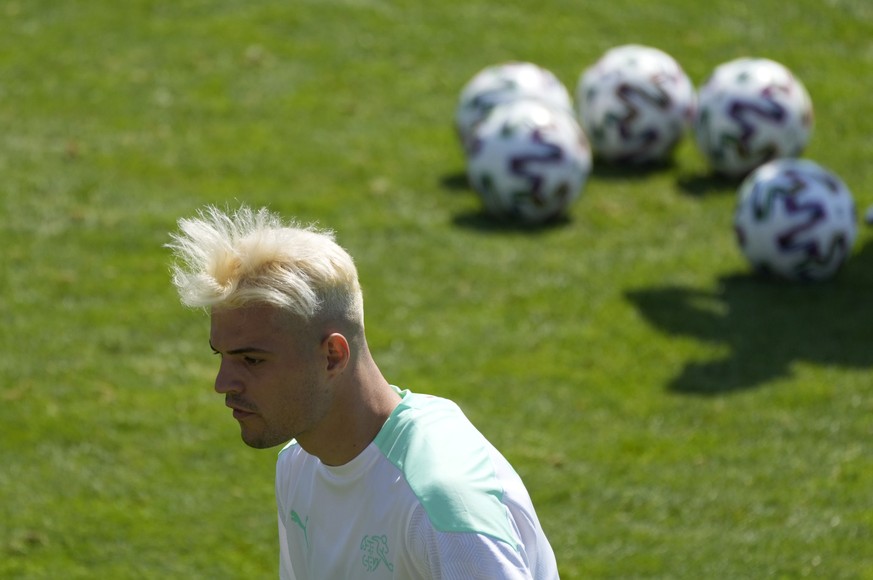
{"points": [[704, 184], [612, 170], [482, 221], [455, 182], [767, 325]]}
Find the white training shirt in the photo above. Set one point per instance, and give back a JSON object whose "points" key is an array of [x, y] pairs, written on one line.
{"points": [[430, 497]]}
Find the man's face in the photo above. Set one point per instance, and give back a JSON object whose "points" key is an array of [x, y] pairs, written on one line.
{"points": [[270, 373]]}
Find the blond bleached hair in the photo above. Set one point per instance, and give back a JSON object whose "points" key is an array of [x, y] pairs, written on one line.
{"points": [[252, 257]]}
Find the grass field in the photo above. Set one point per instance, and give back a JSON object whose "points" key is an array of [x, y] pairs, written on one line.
{"points": [[672, 415]]}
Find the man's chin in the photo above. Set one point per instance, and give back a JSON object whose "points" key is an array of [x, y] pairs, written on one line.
{"points": [[258, 440]]}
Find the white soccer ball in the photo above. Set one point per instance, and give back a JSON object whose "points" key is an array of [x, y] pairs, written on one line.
{"points": [[528, 162], [750, 111], [795, 219], [635, 104], [502, 83]]}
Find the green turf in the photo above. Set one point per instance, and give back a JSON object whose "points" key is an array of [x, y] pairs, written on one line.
{"points": [[673, 416]]}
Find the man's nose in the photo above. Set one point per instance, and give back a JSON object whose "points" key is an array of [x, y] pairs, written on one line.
{"points": [[225, 380]]}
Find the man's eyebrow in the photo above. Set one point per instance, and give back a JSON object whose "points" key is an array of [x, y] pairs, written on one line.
{"points": [[243, 350]]}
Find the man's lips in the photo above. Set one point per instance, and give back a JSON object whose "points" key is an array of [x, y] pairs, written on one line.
{"points": [[239, 413]]}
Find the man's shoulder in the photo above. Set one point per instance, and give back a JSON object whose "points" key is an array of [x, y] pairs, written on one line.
{"points": [[425, 430], [448, 464], [293, 456]]}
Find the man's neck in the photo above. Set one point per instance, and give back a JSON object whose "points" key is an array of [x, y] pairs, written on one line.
{"points": [[364, 401]]}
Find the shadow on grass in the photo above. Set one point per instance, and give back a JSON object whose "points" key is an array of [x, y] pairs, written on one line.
{"points": [[626, 171], [456, 182], [483, 222], [703, 184], [767, 325]]}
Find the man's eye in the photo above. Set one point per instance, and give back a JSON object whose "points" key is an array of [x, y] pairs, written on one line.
{"points": [[251, 361]]}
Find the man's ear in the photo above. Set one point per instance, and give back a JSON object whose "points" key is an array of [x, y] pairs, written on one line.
{"points": [[336, 349]]}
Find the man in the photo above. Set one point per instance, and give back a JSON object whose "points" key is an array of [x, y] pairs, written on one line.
{"points": [[376, 482]]}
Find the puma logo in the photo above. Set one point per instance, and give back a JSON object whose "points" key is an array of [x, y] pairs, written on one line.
{"points": [[295, 517]]}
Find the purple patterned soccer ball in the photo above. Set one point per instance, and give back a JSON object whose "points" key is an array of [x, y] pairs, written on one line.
{"points": [[795, 219], [528, 162], [635, 104], [750, 111], [502, 83]]}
